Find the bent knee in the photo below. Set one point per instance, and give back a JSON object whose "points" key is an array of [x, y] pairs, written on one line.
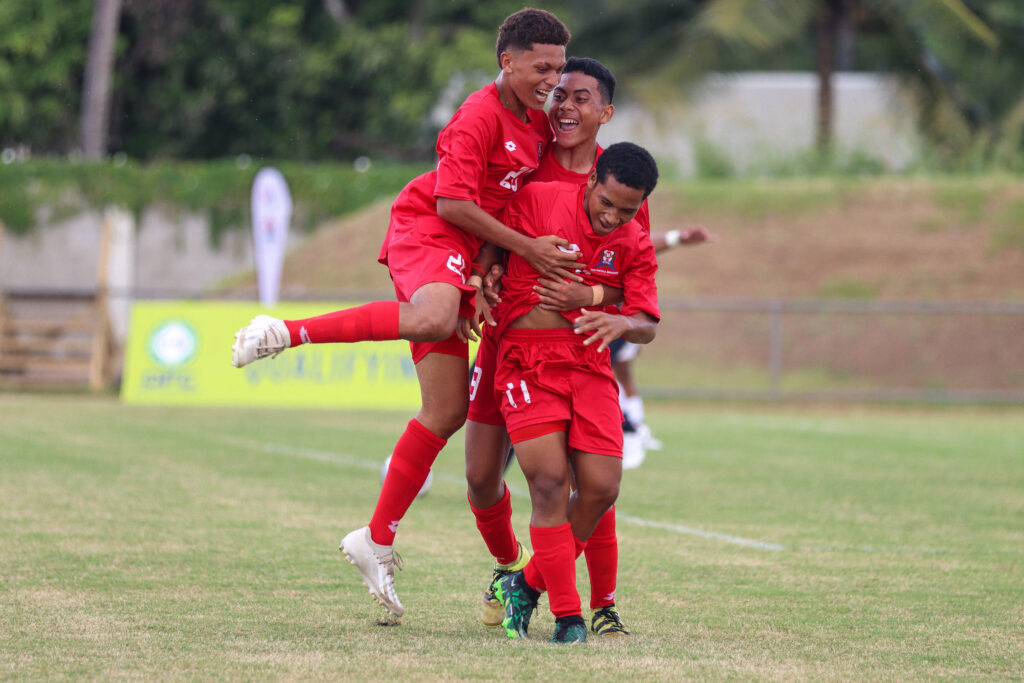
{"points": [[443, 422], [549, 488], [603, 495], [431, 323], [483, 480]]}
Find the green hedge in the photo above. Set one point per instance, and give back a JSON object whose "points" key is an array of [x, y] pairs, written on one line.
{"points": [[53, 189]]}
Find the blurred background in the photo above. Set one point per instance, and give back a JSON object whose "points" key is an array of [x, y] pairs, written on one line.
{"points": [[860, 162]]}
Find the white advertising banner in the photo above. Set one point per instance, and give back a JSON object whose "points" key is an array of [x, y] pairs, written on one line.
{"points": [[271, 215]]}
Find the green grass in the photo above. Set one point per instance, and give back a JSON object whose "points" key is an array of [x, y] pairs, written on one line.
{"points": [[754, 199], [847, 289], [966, 201], [1009, 231], [772, 543]]}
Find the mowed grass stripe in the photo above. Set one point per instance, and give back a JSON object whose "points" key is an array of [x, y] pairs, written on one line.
{"points": [[162, 543]]}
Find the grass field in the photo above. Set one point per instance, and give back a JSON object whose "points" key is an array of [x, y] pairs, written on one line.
{"points": [[770, 543]]}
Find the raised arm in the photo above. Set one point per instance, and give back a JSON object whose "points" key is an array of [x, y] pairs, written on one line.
{"points": [[664, 241]]}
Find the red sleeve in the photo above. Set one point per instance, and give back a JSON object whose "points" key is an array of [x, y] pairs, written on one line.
{"points": [[640, 288], [520, 211], [643, 217], [464, 146]]}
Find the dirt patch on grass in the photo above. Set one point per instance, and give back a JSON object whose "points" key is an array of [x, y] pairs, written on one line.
{"points": [[882, 240]]}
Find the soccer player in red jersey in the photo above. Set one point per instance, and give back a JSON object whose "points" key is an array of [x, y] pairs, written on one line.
{"points": [[554, 380], [438, 224], [580, 105]]}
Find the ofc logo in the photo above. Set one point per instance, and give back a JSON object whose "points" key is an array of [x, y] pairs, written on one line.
{"points": [[173, 344]]}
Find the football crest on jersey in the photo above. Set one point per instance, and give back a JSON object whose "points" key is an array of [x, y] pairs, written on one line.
{"points": [[540, 151], [607, 263]]}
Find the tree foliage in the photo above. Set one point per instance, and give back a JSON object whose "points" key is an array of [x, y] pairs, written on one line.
{"points": [[286, 79], [318, 79], [209, 78], [42, 54], [963, 58]]}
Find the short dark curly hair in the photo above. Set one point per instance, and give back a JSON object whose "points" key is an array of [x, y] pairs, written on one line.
{"points": [[595, 69], [528, 26], [630, 164]]}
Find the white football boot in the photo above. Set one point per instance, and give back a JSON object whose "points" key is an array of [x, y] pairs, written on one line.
{"points": [[376, 563], [263, 336]]}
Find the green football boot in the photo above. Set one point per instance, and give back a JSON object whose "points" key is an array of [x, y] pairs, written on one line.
{"points": [[519, 601], [492, 610]]}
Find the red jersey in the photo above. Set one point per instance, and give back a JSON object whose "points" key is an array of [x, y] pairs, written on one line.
{"points": [[484, 154], [623, 259], [552, 171]]}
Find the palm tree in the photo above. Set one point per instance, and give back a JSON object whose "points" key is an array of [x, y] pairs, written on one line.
{"points": [[99, 68], [761, 25], [684, 39]]}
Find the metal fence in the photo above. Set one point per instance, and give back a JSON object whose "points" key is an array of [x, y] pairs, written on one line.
{"points": [[915, 351]]}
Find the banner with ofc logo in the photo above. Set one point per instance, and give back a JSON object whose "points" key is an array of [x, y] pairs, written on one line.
{"points": [[180, 353]]}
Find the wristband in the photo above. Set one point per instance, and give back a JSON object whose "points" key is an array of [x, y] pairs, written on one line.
{"points": [[477, 268], [673, 237], [476, 281], [598, 294]]}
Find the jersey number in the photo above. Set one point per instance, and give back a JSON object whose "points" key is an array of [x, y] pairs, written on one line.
{"points": [[474, 383], [523, 390], [511, 181], [455, 264]]}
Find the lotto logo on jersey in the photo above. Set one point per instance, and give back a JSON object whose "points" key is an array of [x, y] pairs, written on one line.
{"points": [[510, 146]]}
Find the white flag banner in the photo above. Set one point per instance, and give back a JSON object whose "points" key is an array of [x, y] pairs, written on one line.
{"points": [[271, 215]]}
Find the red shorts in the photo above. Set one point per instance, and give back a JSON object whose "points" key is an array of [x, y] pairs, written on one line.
{"points": [[422, 249], [548, 376], [483, 401]]}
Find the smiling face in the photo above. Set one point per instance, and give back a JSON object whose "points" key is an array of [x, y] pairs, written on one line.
{"points": [[532, 74], [610, 204], [577, 109]]}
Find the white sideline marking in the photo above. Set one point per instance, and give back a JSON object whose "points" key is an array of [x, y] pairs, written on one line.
{"points": [[728, 538], [334, 458], [322, 456]]}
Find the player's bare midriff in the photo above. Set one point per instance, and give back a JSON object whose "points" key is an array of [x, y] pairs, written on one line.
{"points": [[540, 319]]}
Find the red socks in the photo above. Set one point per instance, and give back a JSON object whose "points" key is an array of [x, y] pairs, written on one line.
{"points": [[553, 558], [495, 525], [602, 553], [536, 580], [410, 464], [375, 321]]}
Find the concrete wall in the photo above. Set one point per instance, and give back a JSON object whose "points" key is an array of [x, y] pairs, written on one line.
{"points": [[755, 119], [168, 255], [168, 251]]}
